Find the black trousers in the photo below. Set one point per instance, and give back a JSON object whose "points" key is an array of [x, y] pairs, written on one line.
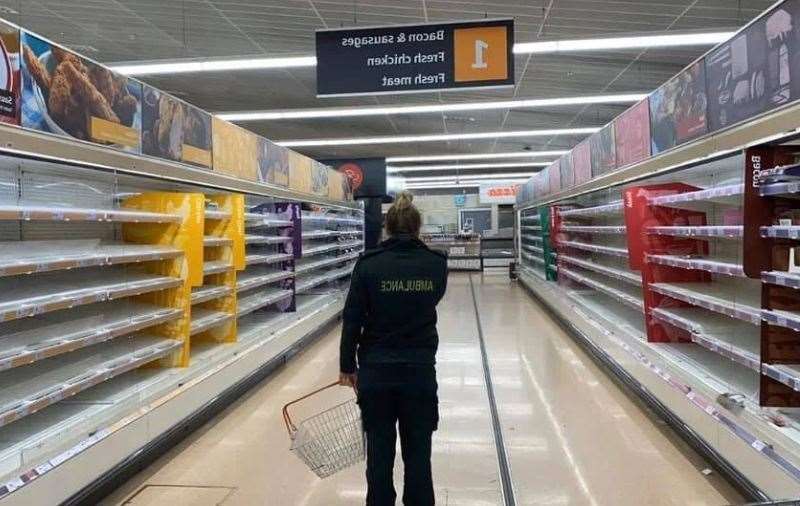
{"points": [[404, 396]]}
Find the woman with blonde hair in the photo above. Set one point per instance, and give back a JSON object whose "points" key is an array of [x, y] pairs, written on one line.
{"points": [[388, 354]]}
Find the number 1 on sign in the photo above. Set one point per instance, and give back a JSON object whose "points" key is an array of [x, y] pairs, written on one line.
{"points": [[480, 50]]}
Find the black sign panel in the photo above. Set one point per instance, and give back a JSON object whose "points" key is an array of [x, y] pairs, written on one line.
{"points": [[757, 70], [415, 58], [367, 175]]}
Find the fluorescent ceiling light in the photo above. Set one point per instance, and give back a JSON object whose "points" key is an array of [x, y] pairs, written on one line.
{"points": [[551, 46], [340, 112], [185, 66], [498, 177], [476, 156], [399, 139], [638, 42], [471, 166]]}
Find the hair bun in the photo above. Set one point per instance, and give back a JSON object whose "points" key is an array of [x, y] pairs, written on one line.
{"points": [[404, 200]]}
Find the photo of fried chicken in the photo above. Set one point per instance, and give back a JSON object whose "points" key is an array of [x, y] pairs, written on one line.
{"points": [[35, 67], [75, 91]]}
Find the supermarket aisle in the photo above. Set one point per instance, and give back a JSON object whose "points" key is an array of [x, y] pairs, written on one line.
{"points": [[571, 436]]}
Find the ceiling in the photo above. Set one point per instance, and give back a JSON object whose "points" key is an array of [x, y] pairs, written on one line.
{"points": [[144, 30]]}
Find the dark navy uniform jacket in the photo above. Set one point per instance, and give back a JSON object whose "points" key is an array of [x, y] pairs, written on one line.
{"points": [[390, 314]]}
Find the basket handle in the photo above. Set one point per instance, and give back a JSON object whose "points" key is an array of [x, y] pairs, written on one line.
{"points": [[287, 419]]}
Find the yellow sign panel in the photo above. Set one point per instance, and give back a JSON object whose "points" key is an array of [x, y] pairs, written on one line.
{"points": [[195, 155], [107, 131], [481, 54]]}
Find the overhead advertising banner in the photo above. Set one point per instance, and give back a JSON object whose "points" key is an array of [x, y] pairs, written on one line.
{"points": [[235, 150], [301, 176], [567, 174], [603, 149], [175, 130], [367, 176], [415, 58], [554, 176], [319, 178], [632, 134], [273, 163], [498, 193], [10, 79], [582, 162], [66, 94], [757, 70], [678, 109]]}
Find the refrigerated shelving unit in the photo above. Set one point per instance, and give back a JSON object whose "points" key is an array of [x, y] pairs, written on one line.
{"points": [[658, 277], [139, 296]]}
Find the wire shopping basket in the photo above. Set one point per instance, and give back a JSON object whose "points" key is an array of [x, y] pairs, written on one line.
{"points": [[328, 441]]}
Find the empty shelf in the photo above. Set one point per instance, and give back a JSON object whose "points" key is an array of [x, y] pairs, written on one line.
{"points": [[623, 275], [260, 299], [266, 239], [217, 214], [718, 333], [267, 259], [789, 279], [216, 267], [533, 258], [28, 389], [308, 283], [209, 292], [698, 263], [532, 228], [784, 188], [781, 231], [331, 219], [698, 231], [599, 229], [45, 213], [350, 245], [787, 319], [212, 241], [533, 249], [727, 194], [597, 248], [28, 257], [532, 238], [247, 281], [204, 319], [307, 252], [319, 234], [304, 267], [532, 218], [715, 297], [264, 220], [46, 336], [350, 232], [789, 375], [611, 208], [29, 296], [621, 295]]}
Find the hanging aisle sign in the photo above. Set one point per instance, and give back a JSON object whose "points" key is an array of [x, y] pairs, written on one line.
{"points": [[415, 58]]}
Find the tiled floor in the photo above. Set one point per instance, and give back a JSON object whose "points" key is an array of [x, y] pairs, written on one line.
{"points": [[572, 436]]}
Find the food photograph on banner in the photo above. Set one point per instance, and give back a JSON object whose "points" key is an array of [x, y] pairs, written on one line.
{"points": [[235, 150], [632, 129], [273, 163], [366, 176], [678, 109], [300, 172], [175, 130], [757, 70], [10, 79], [61, 86], [603, 149], [319, 178]]}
